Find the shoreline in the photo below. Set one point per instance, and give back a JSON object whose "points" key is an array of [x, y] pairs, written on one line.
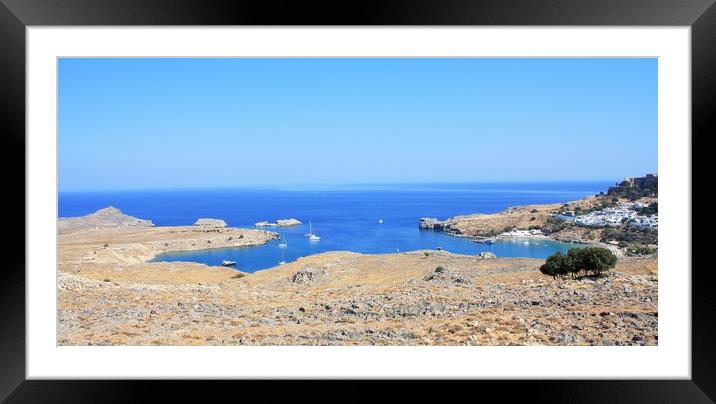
{"points": [[108, 294], [481, 227]]}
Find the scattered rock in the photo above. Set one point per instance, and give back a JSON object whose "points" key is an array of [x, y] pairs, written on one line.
{"points": [[443, 275], [308, 274]]}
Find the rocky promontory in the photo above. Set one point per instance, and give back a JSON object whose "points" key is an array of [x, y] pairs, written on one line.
{"points": [[129, 240], [556, 222], [492, 224], [108, 217]]}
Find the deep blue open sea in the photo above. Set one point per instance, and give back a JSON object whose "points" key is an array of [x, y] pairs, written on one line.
{"points": [[346, 217]]}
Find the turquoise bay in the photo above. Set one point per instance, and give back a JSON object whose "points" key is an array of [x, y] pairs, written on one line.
{"points": [[345, 217]]}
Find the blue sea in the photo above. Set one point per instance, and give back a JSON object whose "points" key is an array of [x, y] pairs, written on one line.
{"points": [[345, 217]]}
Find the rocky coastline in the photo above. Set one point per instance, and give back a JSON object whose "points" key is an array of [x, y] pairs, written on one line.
{"points": [[111, 294], [531, 221]]}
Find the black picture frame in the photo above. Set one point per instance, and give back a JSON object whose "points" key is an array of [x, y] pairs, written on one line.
{"points": [[16, 15]]}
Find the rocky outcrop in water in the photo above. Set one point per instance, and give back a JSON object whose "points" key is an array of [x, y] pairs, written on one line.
{"points": [[204, 222], [447, 226], [279, 223], [429, 223]]}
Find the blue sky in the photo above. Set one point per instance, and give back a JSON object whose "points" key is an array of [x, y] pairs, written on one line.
{"points": [[184, 123]]}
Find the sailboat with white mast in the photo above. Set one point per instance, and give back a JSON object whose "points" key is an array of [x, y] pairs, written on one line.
{"points": [[310, 235]]}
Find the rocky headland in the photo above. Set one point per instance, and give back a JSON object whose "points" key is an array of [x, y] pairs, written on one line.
{"points": [[493, 224], [109, 217], [544, 221]]}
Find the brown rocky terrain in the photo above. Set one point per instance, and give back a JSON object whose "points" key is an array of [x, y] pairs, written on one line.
{"points": [[487, 224], [525, 217], [108, 294], [103, 218]]}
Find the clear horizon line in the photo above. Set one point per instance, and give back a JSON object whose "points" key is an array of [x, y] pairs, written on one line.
{"points": [[329, 184]]}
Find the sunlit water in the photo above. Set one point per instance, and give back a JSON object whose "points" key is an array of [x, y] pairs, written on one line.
{"points": [[346, 218]]}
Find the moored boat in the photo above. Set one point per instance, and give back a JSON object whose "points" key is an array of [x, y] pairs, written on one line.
{"points": [[310, 235]]}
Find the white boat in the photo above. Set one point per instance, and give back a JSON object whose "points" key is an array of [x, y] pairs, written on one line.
{"points": [[380, 221], [228, 263], [283, 259], [310, 235], [283, 243], [485, 240]]}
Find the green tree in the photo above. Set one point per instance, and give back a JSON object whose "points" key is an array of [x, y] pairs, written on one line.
{"points": [[556, 265], [594, 260], [589, 260]]}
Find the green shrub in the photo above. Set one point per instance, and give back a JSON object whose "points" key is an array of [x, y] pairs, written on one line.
{"points": [[640, 250], [555, 224], [439, 269], [630, 235], [238, 275]]}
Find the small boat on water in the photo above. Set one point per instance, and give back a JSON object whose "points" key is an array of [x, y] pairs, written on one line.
{"points": [[485, 240], [380, 221], [283, 259], [310, 235], [282, 243], [228, 263]]}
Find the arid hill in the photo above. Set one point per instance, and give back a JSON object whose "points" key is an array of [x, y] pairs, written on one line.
{"points": [[103, 218]]}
